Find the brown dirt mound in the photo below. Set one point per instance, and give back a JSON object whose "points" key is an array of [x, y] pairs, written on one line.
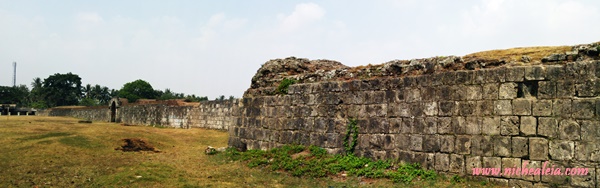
{"points": [[136, 144]]}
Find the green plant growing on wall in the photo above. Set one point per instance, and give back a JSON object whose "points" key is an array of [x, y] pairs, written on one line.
{"points": [[282, 89], [351, 137]]}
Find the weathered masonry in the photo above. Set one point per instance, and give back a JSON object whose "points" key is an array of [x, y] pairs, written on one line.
{"points": [[206, 114], [495, 109], [451, 114]]}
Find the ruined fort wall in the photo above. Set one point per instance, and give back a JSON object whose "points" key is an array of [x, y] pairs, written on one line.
{"points": [[206, 114], [448, 121], [94, 113]]}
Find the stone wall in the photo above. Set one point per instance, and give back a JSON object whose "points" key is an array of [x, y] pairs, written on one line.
{"points": [[89, 113], [206, 114], [451, 121]]}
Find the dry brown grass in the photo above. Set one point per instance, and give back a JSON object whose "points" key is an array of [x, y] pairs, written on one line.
{"points": [[59, 152], [514, 54]]}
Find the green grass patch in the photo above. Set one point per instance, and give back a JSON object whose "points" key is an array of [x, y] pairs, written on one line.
{"points": [[47, 135], [79, 141], [314, 162]]}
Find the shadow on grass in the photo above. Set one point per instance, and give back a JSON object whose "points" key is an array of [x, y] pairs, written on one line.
{"points": [[80, 142], [43, 136]]}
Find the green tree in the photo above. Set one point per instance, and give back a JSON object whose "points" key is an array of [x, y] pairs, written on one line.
{"points": [[62, 89], [14, 95], [37, 94], [138, 89]]}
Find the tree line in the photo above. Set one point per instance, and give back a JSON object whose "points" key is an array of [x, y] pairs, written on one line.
{"points": [[67, 90]]}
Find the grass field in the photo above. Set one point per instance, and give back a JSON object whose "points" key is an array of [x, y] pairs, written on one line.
{"points": [[60, 152]]}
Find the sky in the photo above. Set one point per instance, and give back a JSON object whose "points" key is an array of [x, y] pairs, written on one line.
{"points": [[212, 48]]}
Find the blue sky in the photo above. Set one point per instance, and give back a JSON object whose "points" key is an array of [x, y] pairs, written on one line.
{"points": [[213, 48]]}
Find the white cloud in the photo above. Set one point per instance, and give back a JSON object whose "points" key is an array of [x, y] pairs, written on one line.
{"points": [[92, 17], [303, 14]]}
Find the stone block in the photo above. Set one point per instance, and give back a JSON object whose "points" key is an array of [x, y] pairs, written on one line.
{"points": [[519, 183], [457, 164], [561, 150], [555, 72], [444, 92], [473, 125], [394, 96], [407, 124], [430, 108], [515, 74], [529, 170], [459, 93], [416, 142], [509, 125], [502, 145], [377, 110], [535, 73], [509, 166], [551, 174], [398, 110], [590, 130], [428, 93], [538, 149], [490, 126], [418, 126], [561, 107], [448, 108], [565, 89], [485, 108], [569, 130], [376, 141], [416, 109], [447, 143], [463, 77], [521, 107], [371, 97], [583, 108], [528, 125], [508, 91], [459, 126], [492, 162], [431, 143], [503, 107], [412, 95], [548, 127], [479, 76], [467, 108], [463, 144], [496, 75], [430, 126], [584, 180], [588, 88], [587, 151], [546, 89], [444, 125], [482, 145], [490, 91], [474, 92], [442, 162], [403, 142], [499, 182], [395, 125], [389, 142], [520, 147], [542, 108], [472, 162], [409, 81]]}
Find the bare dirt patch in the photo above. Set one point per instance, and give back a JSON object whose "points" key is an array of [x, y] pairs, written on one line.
{"points": [[136, 144]]}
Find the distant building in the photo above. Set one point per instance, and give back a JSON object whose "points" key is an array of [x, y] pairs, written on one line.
{"points": [[11, 109]]}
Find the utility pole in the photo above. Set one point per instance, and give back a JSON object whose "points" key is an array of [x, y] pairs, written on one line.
{"points": [[14, 74]]}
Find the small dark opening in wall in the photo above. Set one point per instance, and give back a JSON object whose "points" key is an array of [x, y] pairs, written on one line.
{"points": [[527, 89]]}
